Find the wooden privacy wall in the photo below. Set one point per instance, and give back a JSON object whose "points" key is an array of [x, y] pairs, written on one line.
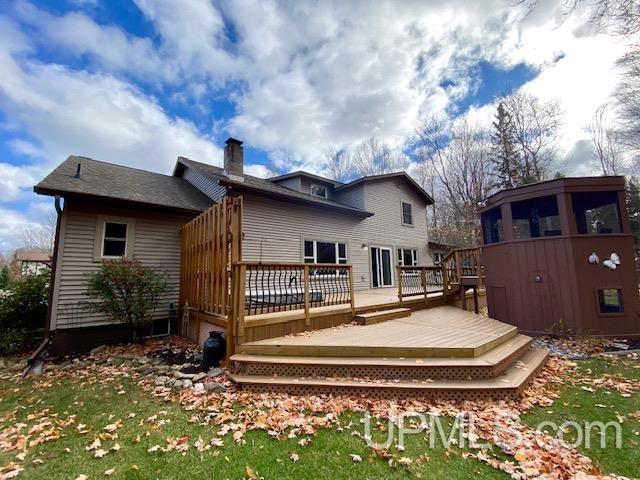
{"points": [[211, 242]]}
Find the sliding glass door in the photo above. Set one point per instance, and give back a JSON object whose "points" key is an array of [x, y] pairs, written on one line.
{"points": [[381, 267]]}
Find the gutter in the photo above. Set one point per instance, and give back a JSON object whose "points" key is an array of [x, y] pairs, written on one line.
{"points": [[54, 261]]}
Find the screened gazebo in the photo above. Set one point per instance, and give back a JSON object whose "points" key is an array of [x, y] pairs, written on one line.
{"points": [[559, 258]]}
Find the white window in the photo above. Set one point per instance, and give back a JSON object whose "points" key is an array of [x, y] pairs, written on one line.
{"points": [[324, 252], [438, 257], [408, 257], [318, 190], [407, 214], [114, 240]]}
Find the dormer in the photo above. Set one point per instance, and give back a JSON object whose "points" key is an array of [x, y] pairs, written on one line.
{"points": [[308, 183]]}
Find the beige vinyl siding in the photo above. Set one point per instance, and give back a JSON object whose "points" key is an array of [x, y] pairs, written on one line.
{"points": [[206, 184], [353, 196], [293, 183], [156, 243], [274, 231]]}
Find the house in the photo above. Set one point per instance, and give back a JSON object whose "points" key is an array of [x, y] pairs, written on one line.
{"points": [[373, 224], [33, 262]]}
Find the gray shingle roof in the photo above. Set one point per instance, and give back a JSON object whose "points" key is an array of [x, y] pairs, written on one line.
{"points": [[106, 180], [249, 183]]}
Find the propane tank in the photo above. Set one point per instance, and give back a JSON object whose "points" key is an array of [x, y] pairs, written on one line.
{"points": [[213, 350]]}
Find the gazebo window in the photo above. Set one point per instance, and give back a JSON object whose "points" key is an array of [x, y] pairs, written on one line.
{"points": [[535, 218], [596, 212], [492, 230]]}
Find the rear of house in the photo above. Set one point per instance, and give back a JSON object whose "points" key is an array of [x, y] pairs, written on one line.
{"points": [[110, 212]]}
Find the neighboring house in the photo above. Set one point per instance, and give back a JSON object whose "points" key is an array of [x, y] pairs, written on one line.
{"points": [[33, 262], [110, 211], [439, 250]]}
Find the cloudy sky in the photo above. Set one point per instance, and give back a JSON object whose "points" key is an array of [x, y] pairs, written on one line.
{"points": [[140, 82]]}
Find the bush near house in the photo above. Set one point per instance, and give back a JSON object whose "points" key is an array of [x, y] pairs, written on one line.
{"points": [[126, 291], [23, 311]]}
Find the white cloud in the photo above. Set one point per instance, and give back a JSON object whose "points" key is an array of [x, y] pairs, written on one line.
{"points": [[12, 223]]}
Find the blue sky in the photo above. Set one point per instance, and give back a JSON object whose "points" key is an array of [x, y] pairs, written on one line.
{"points": [[140, 82]]}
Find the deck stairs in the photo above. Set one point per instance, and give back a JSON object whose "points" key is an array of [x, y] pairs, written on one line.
{"points": [[441, 352], [382, 315]]}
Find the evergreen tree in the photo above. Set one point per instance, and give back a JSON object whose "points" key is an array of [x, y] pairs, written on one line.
{"points": [[504, 152], [633, 211], [5, 277]]}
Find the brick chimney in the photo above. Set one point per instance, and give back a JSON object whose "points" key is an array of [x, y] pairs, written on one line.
{"points": [[233, 157]]}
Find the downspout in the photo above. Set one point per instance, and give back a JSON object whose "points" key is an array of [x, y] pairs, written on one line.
{"points": [[54, 260]]}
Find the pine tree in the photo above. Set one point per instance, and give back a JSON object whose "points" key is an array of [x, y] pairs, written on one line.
{"points": [[504, 153], [5, 277], [633, 211]]}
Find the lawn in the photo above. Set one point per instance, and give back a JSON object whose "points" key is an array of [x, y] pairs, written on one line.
{"points": [[54, 421]]}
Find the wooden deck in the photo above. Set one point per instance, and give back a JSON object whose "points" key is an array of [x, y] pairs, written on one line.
{"points": [[443, 331]]}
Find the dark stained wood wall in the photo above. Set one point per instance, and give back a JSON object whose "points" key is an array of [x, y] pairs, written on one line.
{"points": [[565, 296]]}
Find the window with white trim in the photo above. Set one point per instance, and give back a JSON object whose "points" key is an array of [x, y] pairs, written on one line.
{"points": [[324, 252], [114, 240], [407, 213], [318, 190], [408, 257]]}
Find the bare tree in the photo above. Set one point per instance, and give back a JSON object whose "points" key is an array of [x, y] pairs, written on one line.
{"points": [[39, 236], [606, 141], [460, 159], [337, 164], [535, 128], [373, 157], [628, 99]]}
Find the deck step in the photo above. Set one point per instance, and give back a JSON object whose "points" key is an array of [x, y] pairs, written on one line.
{"points": [[487, 365], [508, 385], [382, 315], [443, 332]]}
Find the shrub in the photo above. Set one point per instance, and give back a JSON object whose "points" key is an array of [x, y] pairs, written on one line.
{"points": [[12, 340], [126, 291], [24, 304], [23, 310]]}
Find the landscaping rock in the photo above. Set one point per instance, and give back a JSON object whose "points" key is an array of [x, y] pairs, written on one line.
{"points": [[116, 362], [97, 349], [199, 387], [176, 384], [179, 374], [187, 383], [143, 360], [198, 377], [215, 372], [214, 387], [161, 380]]}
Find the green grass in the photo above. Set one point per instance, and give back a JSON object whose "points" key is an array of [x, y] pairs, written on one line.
{"points": [[97, 405], [577, 405]]}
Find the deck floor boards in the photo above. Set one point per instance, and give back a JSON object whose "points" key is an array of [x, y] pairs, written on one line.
{"points": [[459, 332]]}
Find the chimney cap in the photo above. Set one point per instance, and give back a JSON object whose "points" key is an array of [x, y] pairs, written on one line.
{"points": [[233, 140]]}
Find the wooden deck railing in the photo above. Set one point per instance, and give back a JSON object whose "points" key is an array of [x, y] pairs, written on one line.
{"points": [[460, 263], [260, 288], [419, 281]]}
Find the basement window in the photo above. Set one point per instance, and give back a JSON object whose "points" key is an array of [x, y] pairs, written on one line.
{"points": [[596, 212], [114, 241], [536, 218], [610, 301], [492, 230]]}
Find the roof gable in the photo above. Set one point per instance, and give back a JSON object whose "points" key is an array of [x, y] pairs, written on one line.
{"points": [[385, 176]]}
